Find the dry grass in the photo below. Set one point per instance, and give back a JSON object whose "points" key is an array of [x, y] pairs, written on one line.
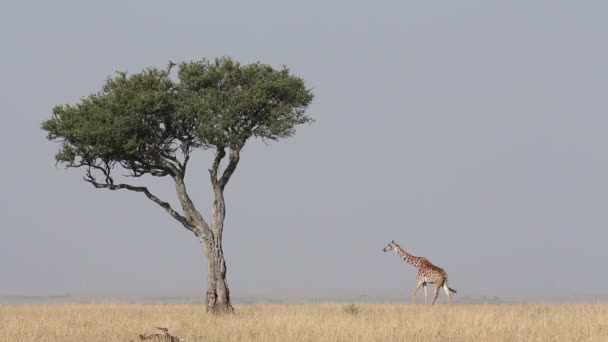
{"points": [[322, 322]]}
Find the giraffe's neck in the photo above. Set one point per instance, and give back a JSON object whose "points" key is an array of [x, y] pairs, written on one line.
{"points": [[410, 259]]}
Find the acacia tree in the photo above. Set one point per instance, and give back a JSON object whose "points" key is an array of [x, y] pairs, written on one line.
{"points": [[149, 124]]}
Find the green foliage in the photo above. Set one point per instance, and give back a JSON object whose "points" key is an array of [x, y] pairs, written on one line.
{"points": [[130, 120], [236, 102], [147, 121]]}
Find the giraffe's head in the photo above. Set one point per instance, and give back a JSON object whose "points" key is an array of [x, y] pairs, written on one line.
{"points": [[391, 245]]}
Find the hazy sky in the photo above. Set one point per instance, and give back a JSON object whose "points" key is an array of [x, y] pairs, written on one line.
{"points": [[472, 132]]}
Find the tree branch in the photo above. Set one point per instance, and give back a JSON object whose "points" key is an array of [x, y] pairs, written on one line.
{"points": [[105, 170], [186, 146], [234, 157], [201, 227], [220, 153], [139, 169], [173, 168], [89, 178]]}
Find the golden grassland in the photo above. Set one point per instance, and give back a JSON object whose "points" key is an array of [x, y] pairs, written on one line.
{"points": [[311, 322]]}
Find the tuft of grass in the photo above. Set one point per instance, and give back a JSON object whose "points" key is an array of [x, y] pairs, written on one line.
{"points": [[351, 309], [318, 322]]}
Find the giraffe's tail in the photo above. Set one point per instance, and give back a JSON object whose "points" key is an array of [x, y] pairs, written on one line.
{"points": [[452, 290]]}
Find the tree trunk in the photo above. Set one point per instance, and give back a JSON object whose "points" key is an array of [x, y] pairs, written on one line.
{"points": [[218, 293]]}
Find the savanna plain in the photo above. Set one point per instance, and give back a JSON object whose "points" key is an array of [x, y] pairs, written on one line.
{"points": [[309, 322]]}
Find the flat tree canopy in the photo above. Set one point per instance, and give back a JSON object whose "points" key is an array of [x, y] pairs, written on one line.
{"points": [[149, 124]]}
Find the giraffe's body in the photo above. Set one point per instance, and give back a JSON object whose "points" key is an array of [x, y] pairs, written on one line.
{"points": [[427, 272]]}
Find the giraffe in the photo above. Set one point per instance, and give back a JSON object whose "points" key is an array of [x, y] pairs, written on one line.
{"points": [[427, 273]]}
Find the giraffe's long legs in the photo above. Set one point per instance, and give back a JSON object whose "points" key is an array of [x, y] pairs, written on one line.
{"points": [[447, 292], [415, 293], [425, 294], [437, 288]]}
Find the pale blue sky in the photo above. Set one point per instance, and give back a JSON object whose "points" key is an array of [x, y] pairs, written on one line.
{"points": [[471, 132]]}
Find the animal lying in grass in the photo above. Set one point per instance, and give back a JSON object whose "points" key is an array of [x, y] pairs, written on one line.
{"points": [[164, 337]]}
